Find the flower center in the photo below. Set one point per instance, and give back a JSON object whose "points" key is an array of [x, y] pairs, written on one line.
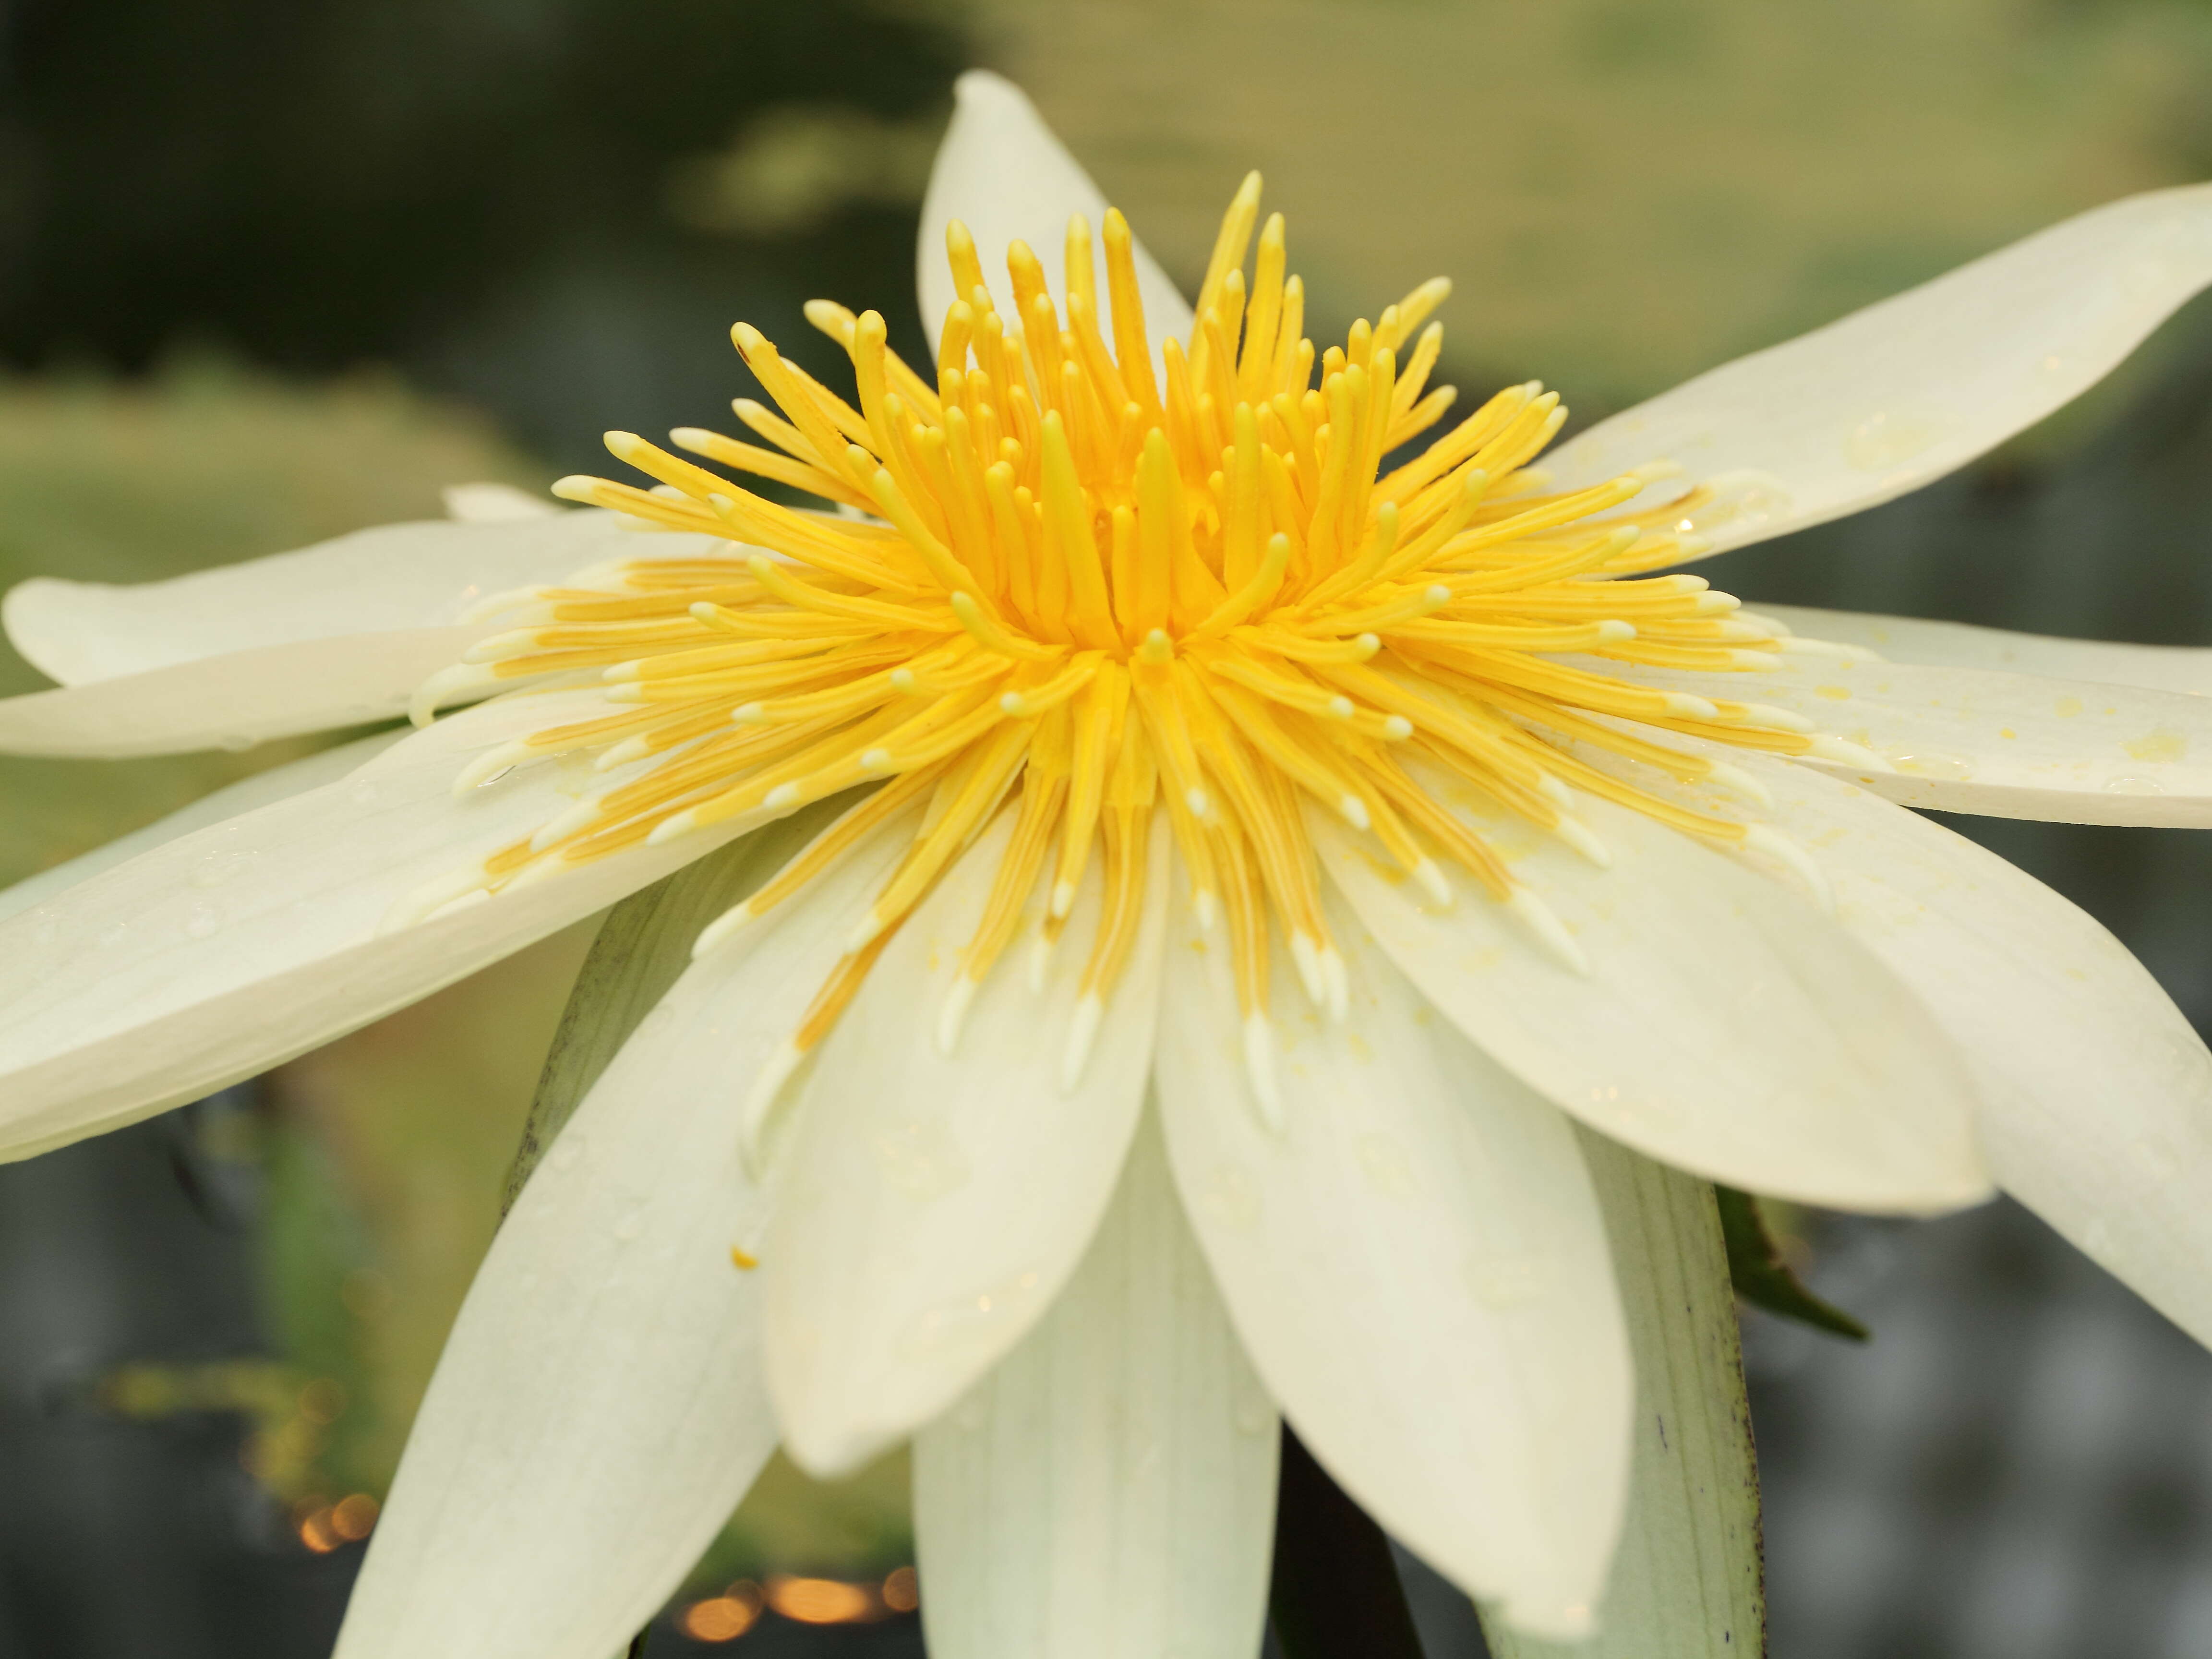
{"points": [[1188, 584]]}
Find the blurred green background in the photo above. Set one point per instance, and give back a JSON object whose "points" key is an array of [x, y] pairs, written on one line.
{"points": [[276, 270]]}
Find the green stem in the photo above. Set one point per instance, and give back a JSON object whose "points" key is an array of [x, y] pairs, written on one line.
{"points": [[1336, 1594]]}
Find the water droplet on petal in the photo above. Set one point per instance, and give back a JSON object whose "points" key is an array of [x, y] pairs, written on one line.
{"points": [[218, 868], [631, 1227], [1889, 438], [202, 920], [2130, 784], [1742, 500], [364, 792], [568, 1152], [1935, 763]]}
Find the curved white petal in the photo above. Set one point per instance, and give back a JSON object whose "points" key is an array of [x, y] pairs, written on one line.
{"points": [[220, 953], [938, 1202], [1002, 174], [1961, 645], [1418, 1268], [1108, 1490], [2097, 1092], [262, 789], [1686, 1579], [394, 577], [495, 503], [600, 1408], [235, 700], [2004, 745], [1901, 392], [1724, 1025]]}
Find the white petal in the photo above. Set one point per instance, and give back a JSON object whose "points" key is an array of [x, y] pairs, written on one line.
{"points": [[262, 789], [1418, 1268], [394, 579], [1686, 1579], [1724, 1025], [495, 503], [1108, 1490], [1904, 391], [235, 700], [937, 1203], [600, 1407], [2098, 1092], [226, 951], [1002, 174], [2009, 745], [1960, 645]]}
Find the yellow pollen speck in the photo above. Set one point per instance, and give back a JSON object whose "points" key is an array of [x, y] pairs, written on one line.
{"points": [[2007, 732], [1835, 693], [2160, 745], [742, 1261], [2066, 707], [1063, 576]]}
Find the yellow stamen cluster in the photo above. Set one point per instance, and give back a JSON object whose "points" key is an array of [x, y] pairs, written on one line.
{"points": [[1189, 583]]}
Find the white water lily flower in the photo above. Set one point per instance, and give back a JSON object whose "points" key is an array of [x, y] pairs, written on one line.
{"points": [[1275, 853]]}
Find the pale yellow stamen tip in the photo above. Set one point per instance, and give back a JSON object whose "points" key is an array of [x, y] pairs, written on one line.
{"points": [[1544, 926], [1683, 706], [1585, 840], [429, 898], [1733, 780], [1781, 719], [1761, 838], [1397, 728], [576, 819], [1430, 877], [673, 828], [493, 763], [760, 1103], [1797, 645], [1354, 811], [1063, 899], [1846, 753], [1305, 956], [953, 1016], [1082, 1034], [1259, 1068], [727, 926]]}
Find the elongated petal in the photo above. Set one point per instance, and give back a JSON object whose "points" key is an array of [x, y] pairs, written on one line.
{"points": [[222, 953], [395, 576], [233, 701], [2097, 1091], [1902, 392], [1724, 1025], [1960, 645], [1108, 1491], [1687, 1579], [262, 789], [600, 1406], [938, 1202], [1002, 174], [1417, 1266], [2004, 745]]}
